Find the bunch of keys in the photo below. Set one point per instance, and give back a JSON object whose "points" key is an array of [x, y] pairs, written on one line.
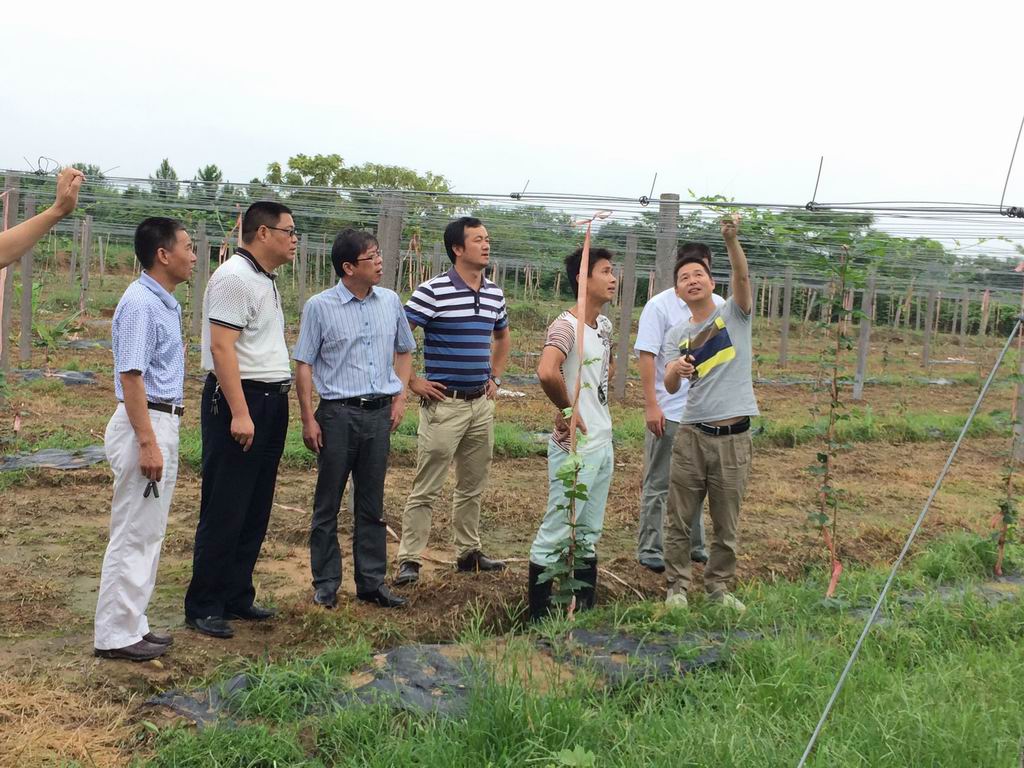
{"points": [[151, 487]]}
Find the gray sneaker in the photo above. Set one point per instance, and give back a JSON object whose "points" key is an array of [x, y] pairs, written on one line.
{"points": [[653, 563]]}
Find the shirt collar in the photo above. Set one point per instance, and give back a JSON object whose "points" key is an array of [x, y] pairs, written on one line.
{"points": [[253, 263], [461, 284], [161, 293], [347, 295]]}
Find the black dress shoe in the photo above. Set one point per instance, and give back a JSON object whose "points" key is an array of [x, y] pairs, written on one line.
{"points": [[325, 598], [382, 596], [252, 613], [140, 651], [477, 561], [158, 638], [214, 626], [408, 573]]}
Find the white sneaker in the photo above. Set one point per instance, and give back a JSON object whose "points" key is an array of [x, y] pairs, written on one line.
{"points": [[677, 600], [730, 601]]}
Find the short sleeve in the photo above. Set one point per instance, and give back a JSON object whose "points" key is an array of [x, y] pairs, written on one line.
{"points": [[404, 341], [561, 336], [421, 307], [230, 302], [731, 311], [501, 321], [650, 333], [307, 348], [135, 337], [670, 347]]}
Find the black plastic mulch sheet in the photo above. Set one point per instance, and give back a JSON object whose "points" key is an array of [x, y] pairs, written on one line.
{"points": [[436, 680], [70, 378], [88, 344], [413, 678], [622, 658], [54, 458]]}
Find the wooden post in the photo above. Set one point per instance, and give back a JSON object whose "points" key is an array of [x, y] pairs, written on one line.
{"points": [[436, 264], [626, 316], [787, 303], [27, 267], [986, 308], [650, 285], [303, 256], [389, 236], [864, 342], [83, 293], [7, 274], [199, 277], [965, 306], [776, 299], [73, 266], [667, 239], [917, 313], [928, 327]]}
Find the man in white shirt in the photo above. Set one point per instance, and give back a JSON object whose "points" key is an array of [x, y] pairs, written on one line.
{"points": [[244, 420], [662, 412]]}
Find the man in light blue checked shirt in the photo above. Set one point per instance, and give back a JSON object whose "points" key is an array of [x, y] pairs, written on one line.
{"points": [[355, 347], [141, 439]]}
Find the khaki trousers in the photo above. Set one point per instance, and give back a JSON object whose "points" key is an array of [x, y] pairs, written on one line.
{"points": [[719, 467], [459, 430]]}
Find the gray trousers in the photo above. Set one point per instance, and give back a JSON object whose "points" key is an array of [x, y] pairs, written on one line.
{"points": [[356, 443], [654, 498]]}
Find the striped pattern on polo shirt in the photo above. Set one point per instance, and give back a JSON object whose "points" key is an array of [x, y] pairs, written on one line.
{"points": [[457, 323]]}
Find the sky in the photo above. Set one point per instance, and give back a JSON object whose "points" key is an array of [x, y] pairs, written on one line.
{"points": [[905, 101]]}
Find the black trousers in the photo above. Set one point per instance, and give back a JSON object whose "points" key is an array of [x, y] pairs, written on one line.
{"points": [[356, 443], [237, 494]]}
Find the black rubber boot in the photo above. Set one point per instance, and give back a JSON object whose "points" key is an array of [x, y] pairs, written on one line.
{"points": [[539, 594], [586, 597]]}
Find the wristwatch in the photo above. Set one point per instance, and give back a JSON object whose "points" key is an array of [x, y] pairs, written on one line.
{"points": [[496, 380]]}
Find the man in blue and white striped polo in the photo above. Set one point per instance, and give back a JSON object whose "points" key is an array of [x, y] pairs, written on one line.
{"points": [[460, 312], [356, 347], [141, 440]]}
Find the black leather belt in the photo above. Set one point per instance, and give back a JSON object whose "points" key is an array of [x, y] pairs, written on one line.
{"points": [[465, 394], [275, 387], [366, 403], [725, 429], [174, 410]]}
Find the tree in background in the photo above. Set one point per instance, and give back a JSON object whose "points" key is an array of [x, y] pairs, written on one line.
{"points": [[165, 181]]}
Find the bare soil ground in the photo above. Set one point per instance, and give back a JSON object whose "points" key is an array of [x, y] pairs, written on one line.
{"points": [[58, 702]]}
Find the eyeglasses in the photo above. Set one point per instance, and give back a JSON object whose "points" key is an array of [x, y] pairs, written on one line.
{"points": [[375, 256], [291, 231]]}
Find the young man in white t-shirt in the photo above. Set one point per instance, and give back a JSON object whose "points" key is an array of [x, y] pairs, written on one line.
{"points": [[558, 370], [662, 412]]}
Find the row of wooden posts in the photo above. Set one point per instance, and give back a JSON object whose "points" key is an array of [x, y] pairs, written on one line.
{"points": [[404, 268]]}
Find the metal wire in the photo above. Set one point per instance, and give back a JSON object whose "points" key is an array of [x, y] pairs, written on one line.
{"points": [[906, 546]]}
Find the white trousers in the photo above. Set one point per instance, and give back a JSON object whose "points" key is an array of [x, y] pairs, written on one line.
{"points": [[137, 526]]}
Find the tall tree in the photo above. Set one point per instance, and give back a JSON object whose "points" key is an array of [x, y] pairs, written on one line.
{"points": [[165, 180]]}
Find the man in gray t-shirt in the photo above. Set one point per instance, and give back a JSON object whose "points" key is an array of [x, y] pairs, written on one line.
{"points": [[712, 451]]}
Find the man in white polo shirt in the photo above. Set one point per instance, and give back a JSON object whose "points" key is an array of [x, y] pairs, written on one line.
{"points": [[244, 420], [662, 412]]}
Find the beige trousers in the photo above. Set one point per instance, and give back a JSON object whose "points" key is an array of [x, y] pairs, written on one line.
{"points": [[459, 430], [719, 467]]}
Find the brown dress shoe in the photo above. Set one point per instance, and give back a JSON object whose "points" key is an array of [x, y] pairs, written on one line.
{"points": [[140, 651], [158, 638]]}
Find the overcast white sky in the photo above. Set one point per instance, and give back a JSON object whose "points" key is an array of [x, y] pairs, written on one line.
{"points": [[906, 101]]}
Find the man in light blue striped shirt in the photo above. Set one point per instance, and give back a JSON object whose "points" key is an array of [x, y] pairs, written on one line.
{"points": [[355, 347]]}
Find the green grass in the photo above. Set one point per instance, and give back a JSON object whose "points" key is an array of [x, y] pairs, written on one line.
{"points": [[863, 426], [937, 684]]}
